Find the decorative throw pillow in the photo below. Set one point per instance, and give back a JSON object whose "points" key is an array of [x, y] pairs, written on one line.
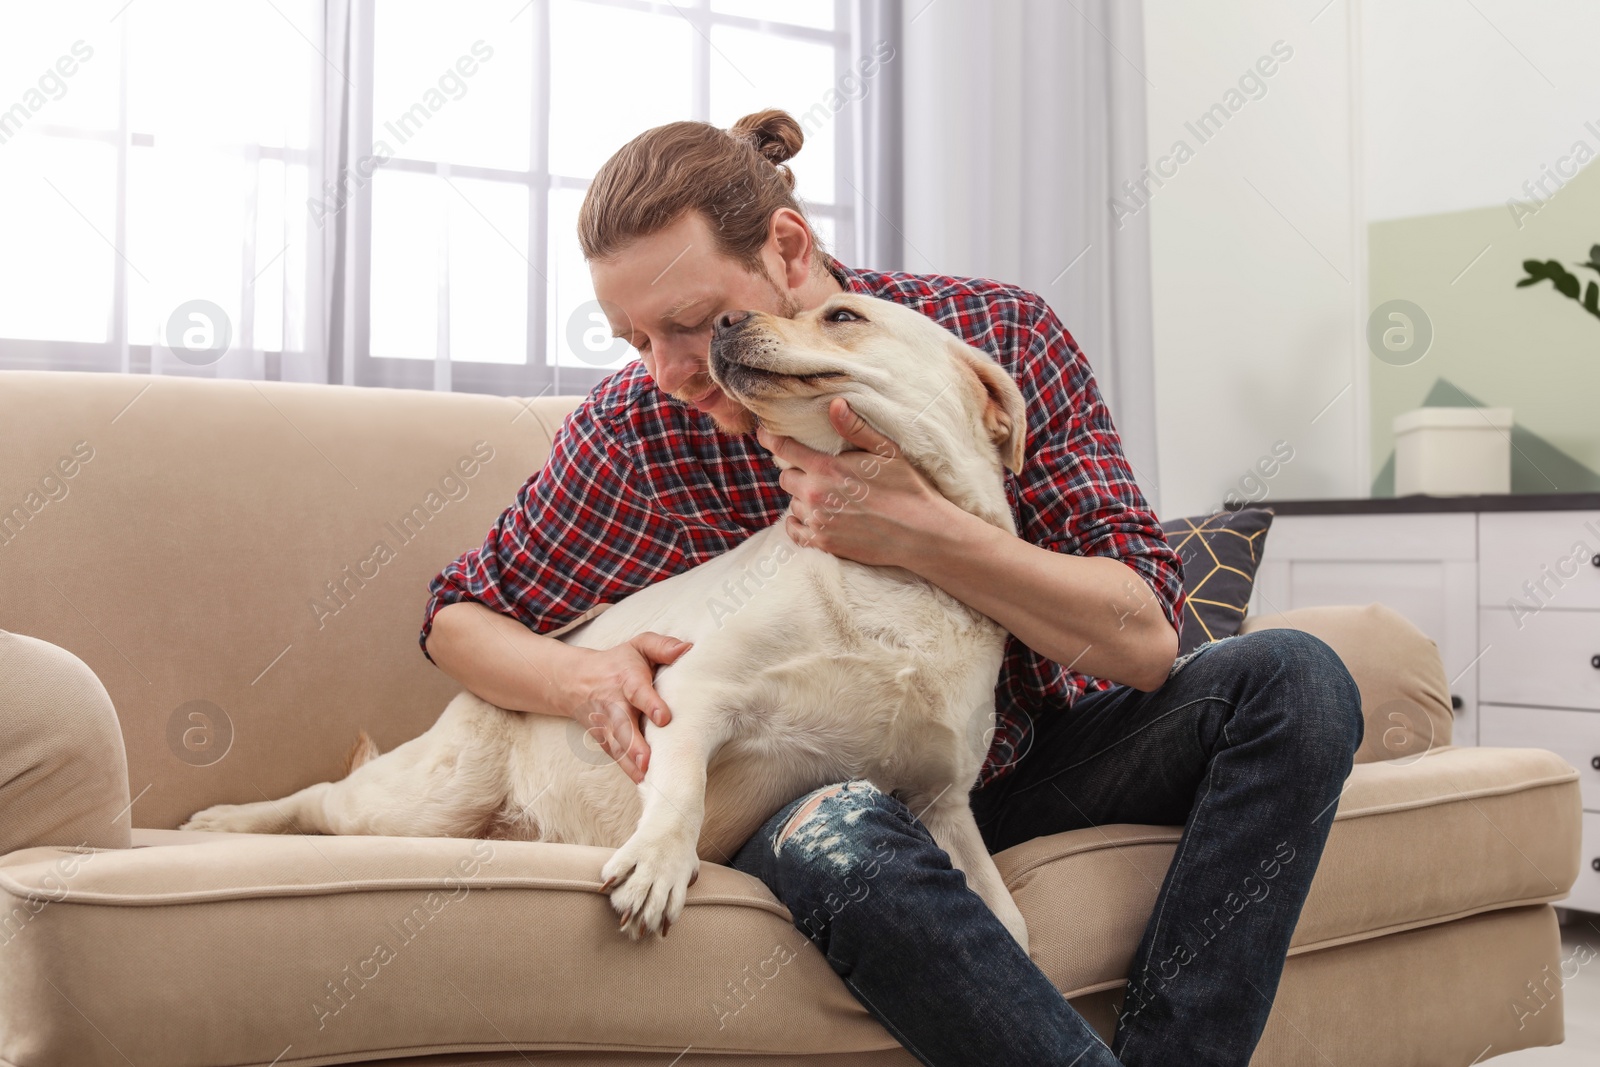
{"points": [[1220, 555]]}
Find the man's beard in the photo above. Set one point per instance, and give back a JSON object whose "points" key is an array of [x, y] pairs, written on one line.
{"points": [[743, 420]]}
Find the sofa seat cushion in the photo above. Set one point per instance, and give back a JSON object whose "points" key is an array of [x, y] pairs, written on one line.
{"points": [[1414, 842], [347, 946], [330, 949]]}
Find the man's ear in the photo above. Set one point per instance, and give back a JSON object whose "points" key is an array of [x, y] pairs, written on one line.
{"points": [[795, 245], [1005, 415]]}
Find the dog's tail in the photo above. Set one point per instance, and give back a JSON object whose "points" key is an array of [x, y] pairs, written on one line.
{"points": [[365, 750]]}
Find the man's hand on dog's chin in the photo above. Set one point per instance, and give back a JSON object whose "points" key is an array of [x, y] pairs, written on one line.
{"points": [[615, 689], [870, 505]]}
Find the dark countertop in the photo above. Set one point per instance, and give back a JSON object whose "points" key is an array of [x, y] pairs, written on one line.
{"points": [[1406, 505]]}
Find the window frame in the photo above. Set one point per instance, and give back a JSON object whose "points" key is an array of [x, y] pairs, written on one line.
{"points": [[350, 302], [534, 377], [117, 354]]}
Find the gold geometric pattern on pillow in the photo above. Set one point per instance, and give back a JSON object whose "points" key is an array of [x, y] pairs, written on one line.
{"points": [[1220, 555]]}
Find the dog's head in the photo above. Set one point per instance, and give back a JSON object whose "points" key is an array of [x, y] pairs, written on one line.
{"points": [[942, 401]]}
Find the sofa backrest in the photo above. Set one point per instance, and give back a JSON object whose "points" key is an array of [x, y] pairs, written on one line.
{"points": [[245, 564]]}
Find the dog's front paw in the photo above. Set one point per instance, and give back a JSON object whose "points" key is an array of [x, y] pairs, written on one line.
{"points": [[648, 879], [212, 818]]}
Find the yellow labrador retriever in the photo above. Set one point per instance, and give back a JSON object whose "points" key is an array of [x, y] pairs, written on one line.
{"points": [[826, 670]]}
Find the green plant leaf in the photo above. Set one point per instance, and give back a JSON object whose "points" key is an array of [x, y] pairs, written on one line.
{"points": [[1565, 282]]}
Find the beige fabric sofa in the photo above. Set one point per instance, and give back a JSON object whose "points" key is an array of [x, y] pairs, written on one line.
{"points": [[198, 612]]}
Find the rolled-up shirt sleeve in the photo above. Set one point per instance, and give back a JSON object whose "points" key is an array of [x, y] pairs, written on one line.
{"points": [[580, 533], [1076, 491]]}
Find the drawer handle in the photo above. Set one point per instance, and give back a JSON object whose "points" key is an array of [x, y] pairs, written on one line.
{"points": [[1595, 763], [1594, 661], [1456, 703], [1596, 560], [1595, 863]]}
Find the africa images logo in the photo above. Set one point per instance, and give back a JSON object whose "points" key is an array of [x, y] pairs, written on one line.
{"points": [[199, 332]]}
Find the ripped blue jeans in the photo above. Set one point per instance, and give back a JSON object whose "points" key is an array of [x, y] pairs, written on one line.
{"points": [[1247, 746]]}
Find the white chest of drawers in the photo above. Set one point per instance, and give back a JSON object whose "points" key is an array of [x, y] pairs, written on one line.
{"points": [[1509, 588]]}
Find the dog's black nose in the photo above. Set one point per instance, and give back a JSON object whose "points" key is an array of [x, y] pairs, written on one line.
{"points": [[729, 319]]}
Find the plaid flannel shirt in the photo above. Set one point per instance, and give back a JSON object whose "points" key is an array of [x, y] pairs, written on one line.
{"points": [[640, 486]]}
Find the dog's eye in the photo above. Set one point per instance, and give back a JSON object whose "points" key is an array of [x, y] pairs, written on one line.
{"points": [[844, 315]]}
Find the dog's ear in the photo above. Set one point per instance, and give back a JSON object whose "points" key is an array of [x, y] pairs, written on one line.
{"points": [[1004, 413]]}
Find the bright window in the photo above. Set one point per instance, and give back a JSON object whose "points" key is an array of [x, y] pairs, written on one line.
{"points": [[486, 165], [125, 205], [166, 156]]}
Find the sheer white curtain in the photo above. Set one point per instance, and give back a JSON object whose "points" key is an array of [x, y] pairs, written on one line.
{"points": [[877, 184], [1022, 120]]}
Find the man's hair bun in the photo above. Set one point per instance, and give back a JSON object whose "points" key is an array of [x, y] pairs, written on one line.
{"points": [[773, 133]]}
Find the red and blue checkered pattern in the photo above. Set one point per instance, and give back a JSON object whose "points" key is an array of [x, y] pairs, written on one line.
{"points": [[640, 486]]}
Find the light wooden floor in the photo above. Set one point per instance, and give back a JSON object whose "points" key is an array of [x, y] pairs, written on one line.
{"points": [[1582, 994]]}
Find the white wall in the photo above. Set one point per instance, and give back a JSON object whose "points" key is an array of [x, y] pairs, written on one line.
{"points": [[1388, 109], [1257, 245], [1466, 102], [1258, 241]]}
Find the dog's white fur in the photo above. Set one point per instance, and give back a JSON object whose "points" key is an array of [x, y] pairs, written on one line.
{"points": [[807, 670]]}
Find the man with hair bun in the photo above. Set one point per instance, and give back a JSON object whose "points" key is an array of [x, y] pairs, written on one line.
{"points": [[1246, 742]]}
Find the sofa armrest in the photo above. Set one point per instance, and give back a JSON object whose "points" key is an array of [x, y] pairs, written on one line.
{"points": [[63, 768], [1405, 699]]}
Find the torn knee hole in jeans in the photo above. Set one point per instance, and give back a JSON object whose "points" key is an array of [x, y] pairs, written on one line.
{"points": [[815, 836]]}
